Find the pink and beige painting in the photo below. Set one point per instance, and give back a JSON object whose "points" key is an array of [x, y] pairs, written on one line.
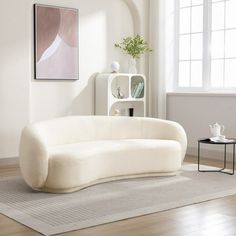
{"points": [[56, 42]]}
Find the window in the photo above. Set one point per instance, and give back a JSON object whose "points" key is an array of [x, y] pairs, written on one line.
{"points": [[206, 44]]}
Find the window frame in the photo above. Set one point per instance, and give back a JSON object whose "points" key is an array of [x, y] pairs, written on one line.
{"points": [[206, 55]]}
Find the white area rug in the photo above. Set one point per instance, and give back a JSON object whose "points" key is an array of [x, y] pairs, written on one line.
{"points": [[56, 213]]}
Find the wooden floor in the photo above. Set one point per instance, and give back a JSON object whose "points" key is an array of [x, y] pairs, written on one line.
{"points": [[211, 218]]}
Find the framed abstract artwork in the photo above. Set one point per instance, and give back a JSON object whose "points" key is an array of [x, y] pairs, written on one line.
{"points": [[55, 43]]}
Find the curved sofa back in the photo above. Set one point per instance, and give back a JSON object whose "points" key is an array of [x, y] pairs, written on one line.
{"points": [[36, 138], [73, 129]]}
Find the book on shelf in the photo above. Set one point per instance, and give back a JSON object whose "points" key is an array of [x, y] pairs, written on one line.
{"points": [[141, 90], [138, 89], [134, 89]]}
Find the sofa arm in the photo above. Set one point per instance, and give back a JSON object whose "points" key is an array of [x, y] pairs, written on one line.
{"points": [[33, 157], [165, 129], [175, 131]]}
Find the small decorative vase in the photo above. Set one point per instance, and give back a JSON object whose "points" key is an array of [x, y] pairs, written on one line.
{"points": [[132, 66]]}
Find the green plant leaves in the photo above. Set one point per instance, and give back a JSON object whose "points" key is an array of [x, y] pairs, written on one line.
{"points": [[134, 46]]}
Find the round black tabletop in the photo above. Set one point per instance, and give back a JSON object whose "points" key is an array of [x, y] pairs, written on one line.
{"points": [[207, 140]]}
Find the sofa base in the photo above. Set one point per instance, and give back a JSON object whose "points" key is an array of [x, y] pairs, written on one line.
{"points": [[100, 181]]}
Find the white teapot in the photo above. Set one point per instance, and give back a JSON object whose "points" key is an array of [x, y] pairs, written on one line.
{"points": [[216, 129]]}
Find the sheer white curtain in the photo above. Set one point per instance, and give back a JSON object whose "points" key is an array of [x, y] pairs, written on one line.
{"points": [[161, 69]]}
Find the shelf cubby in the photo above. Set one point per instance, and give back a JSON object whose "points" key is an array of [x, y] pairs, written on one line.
{"points": [[120, 83], [136, 81], [115, 94]]}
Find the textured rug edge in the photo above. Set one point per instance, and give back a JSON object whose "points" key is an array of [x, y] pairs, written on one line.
{"points": [[24, 219], [47, 230], [141, 212]]}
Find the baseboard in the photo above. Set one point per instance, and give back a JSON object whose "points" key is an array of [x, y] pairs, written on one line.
{"points": [[209, 153], [9, 161]]}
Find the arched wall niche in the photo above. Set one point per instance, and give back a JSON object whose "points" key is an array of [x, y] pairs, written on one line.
{"points": [[135, 14]]}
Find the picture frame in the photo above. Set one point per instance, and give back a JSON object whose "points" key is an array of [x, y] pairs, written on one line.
{"points": [[55, 43]]}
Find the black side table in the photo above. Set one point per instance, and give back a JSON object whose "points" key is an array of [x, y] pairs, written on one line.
{"points": [[222, 170]]}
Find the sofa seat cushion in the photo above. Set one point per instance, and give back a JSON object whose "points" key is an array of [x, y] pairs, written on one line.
{"points": [[85, 162]]}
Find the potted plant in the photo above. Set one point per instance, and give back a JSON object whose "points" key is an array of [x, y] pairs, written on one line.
{"points": [[135, 47]]}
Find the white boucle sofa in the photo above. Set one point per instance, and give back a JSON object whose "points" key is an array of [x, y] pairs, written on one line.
{"points": [[70, 153]]}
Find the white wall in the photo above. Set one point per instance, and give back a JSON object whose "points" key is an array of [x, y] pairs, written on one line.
{"points": [[101, 24], [196, 112], [23, 99], [15, 73]]}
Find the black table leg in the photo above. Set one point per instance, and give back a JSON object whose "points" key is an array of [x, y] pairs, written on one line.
{"points": [[225, 158], [198, 156], [225, 161], [226, 172], [233, 156]]}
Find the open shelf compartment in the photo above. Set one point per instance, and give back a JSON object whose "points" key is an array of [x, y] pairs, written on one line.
{"points": [[120, 86], [137, 87], [122, 109]]}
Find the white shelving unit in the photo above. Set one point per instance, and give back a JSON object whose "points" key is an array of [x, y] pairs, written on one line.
{"points": [[107, 100]]}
